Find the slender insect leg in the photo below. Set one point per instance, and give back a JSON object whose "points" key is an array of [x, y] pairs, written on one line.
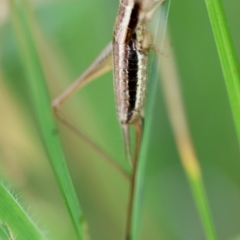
{"points": [[147, 42], [87, 140], [126, 129], [126, 136], [148, 37], [138, 130], [101, 65], [149, 15]]}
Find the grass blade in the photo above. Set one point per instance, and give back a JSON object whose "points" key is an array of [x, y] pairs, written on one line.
{"points": [[185, 146], [15, 221], [153, 78], [227, 55], [43, 112], [182, 136]]}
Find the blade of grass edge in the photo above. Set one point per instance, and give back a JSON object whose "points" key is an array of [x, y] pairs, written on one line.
{"points": [[162, 16], [227, 55], [14, 220], [44, 117]]}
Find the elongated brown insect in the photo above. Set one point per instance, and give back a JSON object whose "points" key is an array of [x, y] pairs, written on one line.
{"points": [[128, 56]]}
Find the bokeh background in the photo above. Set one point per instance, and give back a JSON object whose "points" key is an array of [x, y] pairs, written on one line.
{"points": [[70, 35]]}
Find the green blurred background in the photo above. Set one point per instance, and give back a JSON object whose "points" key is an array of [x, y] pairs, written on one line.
{"points": [[70, 34]]}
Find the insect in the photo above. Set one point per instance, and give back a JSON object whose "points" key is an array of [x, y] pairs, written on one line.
{"points": [[127, 55]]}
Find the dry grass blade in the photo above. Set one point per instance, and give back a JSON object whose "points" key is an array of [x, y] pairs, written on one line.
{"points": [[190, 162]]}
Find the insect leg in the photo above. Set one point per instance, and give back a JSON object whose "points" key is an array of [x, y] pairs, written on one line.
{"points": [[149, 15], [101, 65], [138, 129], [126, 129], [126, 136]]}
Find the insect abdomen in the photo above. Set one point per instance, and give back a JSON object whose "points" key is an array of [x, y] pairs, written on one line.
{"points": [[130, 62], [130, 66]]}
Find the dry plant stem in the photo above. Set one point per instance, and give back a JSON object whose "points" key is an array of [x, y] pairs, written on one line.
{"points": [[138, 130], [93, 145], [171, 89], [176, 111]]}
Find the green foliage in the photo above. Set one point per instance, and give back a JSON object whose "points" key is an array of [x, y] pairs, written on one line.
{"points": [[15, 222], [41, 105], [227, 55], [68, 35]]}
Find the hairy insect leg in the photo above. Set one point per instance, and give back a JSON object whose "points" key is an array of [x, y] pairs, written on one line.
{"points": [[101, 65]]}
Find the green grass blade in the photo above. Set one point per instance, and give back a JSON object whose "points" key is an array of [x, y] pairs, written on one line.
{"points": [[153, 78], [14, 220], [227, 55], [201, 201], [140, 182], [189, 162], [43, 112]]}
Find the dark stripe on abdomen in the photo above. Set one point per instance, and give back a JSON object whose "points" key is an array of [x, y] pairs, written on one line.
{"points": [[132, 78]]}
